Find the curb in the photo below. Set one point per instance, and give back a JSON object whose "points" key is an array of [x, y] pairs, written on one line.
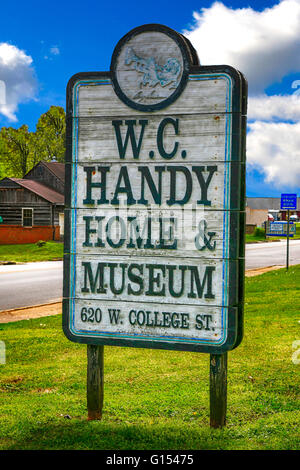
{"points": [[31, 306], [9, 263]]}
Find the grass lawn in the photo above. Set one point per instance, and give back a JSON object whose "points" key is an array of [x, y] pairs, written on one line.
{"points": [[28, 252], [157, 399], [251, 238]]}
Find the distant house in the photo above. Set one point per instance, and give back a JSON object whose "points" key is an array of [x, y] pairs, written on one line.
{"points": [[258, 208], [32, 208]]}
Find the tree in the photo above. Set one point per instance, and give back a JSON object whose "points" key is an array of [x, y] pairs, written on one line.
{"points": [[20, 149], [3, 165], [50, 135], [15, 149]]}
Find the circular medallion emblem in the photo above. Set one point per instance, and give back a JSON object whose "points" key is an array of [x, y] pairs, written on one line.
{"points": [[150, 67]]}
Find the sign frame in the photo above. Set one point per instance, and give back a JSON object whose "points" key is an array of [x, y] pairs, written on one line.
{"points": [[282, 232], [181, 42], [236, 211], [288, 201]]}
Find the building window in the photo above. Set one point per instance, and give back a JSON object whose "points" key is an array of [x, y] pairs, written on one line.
{"points": [[27, 217]]}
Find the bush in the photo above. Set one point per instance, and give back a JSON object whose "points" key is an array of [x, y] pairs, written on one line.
{"points": [[259, 232], [40, 243]]}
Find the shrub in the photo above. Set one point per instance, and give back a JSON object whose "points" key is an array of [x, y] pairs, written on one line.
{"points": [[259, 232]]}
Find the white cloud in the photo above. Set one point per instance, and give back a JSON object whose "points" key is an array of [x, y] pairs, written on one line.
{"points": [[279, 107], [54, 50], [18, 76], [274, 148], [264, 45]]}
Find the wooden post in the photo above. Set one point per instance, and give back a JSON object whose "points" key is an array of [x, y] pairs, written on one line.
{"points": [[95, 381], [218, 390]]}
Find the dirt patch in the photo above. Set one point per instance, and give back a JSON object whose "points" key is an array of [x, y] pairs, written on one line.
{"points": [[7, 316], [13, 380], [44, 390], [11, 384], [257, 271]]}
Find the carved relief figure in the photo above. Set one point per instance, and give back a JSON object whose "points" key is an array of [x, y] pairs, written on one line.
{"points": [[153, 73]]}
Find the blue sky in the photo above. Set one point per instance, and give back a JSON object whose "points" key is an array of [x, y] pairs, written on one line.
{"points": [[43, 44]]}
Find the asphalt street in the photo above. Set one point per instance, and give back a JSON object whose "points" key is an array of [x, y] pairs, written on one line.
{"points": [[39, 283], [260, 255], [24, 285]]}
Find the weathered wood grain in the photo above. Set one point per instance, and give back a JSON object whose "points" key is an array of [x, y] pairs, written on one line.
{"points": [[184, 184], [151, 165], [108, 278], [218, 390], [95, 381], [188, 321], [202, 137], [152, 45], [203, 96], [184, 232]]}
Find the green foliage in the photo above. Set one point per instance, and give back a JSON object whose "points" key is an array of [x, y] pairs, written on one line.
{"points": [[21, 150], [257, 236], [28, 252], [4, 171], [50, 135], [157, 399], [16, 147], [259, 232], [260, 236]]}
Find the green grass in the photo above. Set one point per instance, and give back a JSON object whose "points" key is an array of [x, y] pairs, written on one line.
{"points": [[251, 238], [157, 399], [31, 252]]}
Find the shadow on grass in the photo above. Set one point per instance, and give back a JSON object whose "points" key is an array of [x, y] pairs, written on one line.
{"points": [[81, 434]]}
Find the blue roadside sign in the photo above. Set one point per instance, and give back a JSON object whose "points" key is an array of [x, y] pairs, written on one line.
{"points": [[279, 229], [288, 202]]}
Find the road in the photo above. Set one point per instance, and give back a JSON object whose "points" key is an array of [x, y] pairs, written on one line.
{"points": [[260, 255], [38, 283], [23, 285]]}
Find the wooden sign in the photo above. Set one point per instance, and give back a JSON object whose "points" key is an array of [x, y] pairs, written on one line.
{"points": [[154, 230]]}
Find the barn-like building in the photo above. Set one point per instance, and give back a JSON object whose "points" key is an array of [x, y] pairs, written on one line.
{"points": [[32, 208]]}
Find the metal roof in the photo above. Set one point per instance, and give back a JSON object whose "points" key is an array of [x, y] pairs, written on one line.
{"points": [[41, 190], [266, 203], [58, 169]]}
